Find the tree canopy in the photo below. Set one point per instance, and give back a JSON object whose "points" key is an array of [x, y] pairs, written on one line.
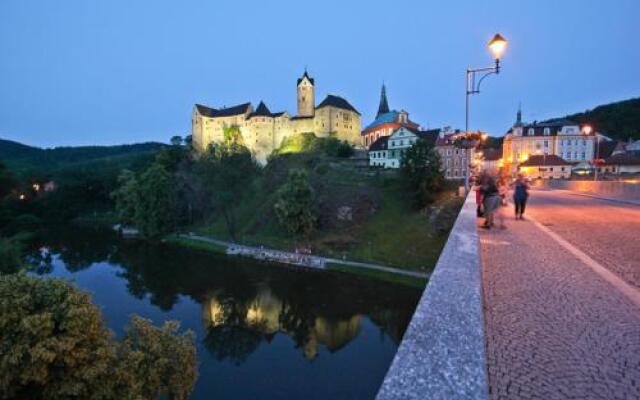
{"points": [[55, 346], [421, 171], [294, 206]]}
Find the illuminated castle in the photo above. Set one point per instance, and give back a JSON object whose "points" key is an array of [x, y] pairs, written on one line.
{"points": [[263, 131]]}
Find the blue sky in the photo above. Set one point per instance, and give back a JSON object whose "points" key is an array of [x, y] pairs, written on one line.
{"points": [[78, 72]]}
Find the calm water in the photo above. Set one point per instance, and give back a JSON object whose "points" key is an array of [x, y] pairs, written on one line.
{"points": [[263, 331]]}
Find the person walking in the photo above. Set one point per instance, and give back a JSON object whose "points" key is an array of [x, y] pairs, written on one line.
{"points": [[520, 196], [491, 201], [503, 189], [477, 188]]}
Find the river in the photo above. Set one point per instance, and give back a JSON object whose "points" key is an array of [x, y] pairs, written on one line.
{"points": [[263, 331]]}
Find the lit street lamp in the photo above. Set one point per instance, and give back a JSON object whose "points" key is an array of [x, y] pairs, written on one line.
{"points": [[587, 130], [497, 45]]}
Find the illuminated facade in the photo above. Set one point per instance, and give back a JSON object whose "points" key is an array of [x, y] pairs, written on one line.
{"points": [[263, 131], [560, 137]]}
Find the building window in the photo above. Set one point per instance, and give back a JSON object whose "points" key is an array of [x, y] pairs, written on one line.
{"points": [[546, 143], [530, 132]]}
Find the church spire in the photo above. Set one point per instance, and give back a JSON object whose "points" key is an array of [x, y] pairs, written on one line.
{"points": [[519, 115], [383, 108]]}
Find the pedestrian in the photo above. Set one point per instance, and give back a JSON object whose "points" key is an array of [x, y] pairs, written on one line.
{"points": [[491, 201], [503, 189], [520, 195], [477, 189]]}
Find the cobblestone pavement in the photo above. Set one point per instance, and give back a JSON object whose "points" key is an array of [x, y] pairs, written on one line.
{"points": [[555, 328]]}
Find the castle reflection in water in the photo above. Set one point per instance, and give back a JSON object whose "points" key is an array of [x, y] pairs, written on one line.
{"points": [[269, 315]]}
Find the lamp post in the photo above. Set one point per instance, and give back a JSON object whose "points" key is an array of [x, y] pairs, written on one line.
{"points": [[587, 130], [497, 45]]}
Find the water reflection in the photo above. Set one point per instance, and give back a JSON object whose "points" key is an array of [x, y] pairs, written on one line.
{"points": [[261, 317], [244, 305]]}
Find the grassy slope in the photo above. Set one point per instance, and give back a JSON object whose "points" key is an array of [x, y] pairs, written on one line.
{"points": [[386, 231]]}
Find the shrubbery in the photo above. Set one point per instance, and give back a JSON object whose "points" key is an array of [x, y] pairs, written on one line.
{"points": [[55, 346]]}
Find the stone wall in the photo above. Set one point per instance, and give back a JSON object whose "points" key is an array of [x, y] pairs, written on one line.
{"points": [[623, 190], [442, 354]]}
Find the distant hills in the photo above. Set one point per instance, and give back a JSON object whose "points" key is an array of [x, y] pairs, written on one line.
{"points": [[619, 120], [23, 159]]}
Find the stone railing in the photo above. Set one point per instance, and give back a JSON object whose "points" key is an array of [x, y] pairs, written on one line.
{"points": [[621, 190], [442, 354]]}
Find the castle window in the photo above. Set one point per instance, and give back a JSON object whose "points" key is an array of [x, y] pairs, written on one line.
{"points": [[530, 132]]}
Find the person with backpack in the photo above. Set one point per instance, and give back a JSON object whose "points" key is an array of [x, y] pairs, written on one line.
{"points": [[520, 196]]}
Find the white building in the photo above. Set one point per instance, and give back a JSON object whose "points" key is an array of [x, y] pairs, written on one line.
{"points": [[387, 151]]}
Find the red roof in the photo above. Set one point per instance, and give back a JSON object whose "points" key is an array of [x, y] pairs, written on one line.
{"points": [[541, 161]]}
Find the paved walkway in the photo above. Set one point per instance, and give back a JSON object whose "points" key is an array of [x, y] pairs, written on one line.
{"points": [[562, 300], [311, 261]]}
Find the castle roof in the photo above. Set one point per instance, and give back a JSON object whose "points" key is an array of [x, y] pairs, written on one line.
{"points": [[338, 102], [261, 111], [223, 112], [305, 75]]}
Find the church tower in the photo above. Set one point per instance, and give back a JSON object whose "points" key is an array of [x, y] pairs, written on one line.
{"points": [[519, 116], [306, 96], [383, 108]]}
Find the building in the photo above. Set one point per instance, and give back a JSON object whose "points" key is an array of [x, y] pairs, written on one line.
{"points": [[545, 167], [387, 151], [560, 137], [386, 122], [491, 161], [621, 163], [457, 162], [263, 131]]}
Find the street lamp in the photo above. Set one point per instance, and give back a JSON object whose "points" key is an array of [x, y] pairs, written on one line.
{"points": [[587, 129], [497, 45]]}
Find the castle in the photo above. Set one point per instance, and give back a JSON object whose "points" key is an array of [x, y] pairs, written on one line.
{"points": [[263, 131]]}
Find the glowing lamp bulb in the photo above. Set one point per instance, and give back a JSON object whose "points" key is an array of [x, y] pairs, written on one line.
{"points": [[498, 45]]}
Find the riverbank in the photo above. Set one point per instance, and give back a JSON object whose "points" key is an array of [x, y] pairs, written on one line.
{"points": [[304, 260]]}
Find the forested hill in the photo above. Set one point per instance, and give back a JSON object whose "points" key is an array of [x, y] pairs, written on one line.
{"points": [[619, 120], [21, 157]]}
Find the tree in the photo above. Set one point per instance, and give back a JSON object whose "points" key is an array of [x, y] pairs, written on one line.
{"points": [[7, 181], [10, 256], [228, 170], [126, 196], [54, 346], [167, 361], [420, 169], [154, 212], [176, 140], [294, 207]]}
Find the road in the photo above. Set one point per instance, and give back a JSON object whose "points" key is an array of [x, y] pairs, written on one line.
{"points": [[562, 300]]}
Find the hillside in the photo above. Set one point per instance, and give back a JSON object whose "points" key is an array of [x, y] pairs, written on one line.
{"points": [[362, 214], [619, 120], [23, 159]]}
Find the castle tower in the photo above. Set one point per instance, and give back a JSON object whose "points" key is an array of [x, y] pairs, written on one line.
{"points": [[306, 96], [383, 108]]}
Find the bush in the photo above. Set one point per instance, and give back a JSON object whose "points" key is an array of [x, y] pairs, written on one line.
{"points": [[294, 206], [54, 346], [10, 256]]}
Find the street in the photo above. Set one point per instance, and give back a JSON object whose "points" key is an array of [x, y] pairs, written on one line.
{"points": [[562, 300]]}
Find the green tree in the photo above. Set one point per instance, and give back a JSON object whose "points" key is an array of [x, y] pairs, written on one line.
{"points": [[294, 206], [167, 361], [54, 346], [228, 170], [7, 181], [10, 256], [420, 169], [126, 196], [155, 208]]}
